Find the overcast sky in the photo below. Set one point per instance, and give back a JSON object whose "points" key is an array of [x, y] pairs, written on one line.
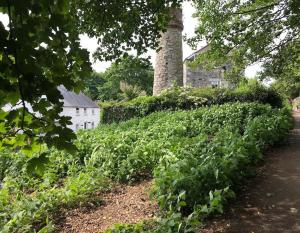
{"points": [[189, 25]]}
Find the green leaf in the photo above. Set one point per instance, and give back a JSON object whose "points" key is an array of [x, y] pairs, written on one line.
{"points": [[37, 165]]}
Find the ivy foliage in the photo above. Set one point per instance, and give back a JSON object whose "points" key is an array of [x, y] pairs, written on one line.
{"points": [[39, 50]]}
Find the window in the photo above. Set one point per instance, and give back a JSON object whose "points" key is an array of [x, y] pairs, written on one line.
{"points": [[223, 71], [93, 111], [214, 84], [85, 125], [77, 111], [85, 112], [93, 125]]}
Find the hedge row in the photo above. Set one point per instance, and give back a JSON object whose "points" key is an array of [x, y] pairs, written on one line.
{"points": [[186, 98]]}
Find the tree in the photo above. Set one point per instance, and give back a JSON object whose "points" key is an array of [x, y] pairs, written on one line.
{"points": [[121, 26], [40, 50], [285, 69], [247, 31], [287, 78], [287, 88], [131, 70], [126, 77], [92, 85]]}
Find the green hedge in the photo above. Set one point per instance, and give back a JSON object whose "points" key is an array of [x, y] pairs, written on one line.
{"points": [[186, 98]]}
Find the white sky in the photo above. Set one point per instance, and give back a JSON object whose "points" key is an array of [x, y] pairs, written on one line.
{"points": [[189, 25]]}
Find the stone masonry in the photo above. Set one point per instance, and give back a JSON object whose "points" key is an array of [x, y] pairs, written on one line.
{"points": [[170, 69], [200, 77], [168, 64]]}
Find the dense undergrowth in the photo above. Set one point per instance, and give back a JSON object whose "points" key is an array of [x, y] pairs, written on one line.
{"points": [[196, 157]]}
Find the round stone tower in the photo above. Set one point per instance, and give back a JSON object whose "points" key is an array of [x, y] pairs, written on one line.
{"points": [[168, 64]]}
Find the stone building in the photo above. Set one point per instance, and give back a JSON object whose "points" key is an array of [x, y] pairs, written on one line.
{"points": [[168, 65], [170, 69], [200, 77]]}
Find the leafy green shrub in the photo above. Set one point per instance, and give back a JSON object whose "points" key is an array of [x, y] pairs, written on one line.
{"points": [[174, 222], [5, 163], [21, 212], [209, 173], [187, 98], [30, 192], [131, 153], [127, 228]]}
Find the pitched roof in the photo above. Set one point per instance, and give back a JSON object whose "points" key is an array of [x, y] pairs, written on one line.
{"points": [[72, 99], [199, 51]]}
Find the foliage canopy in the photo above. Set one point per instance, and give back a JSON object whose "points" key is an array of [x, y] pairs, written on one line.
{"points": [[127, 75], [248, 31], [131, 71], [40, 50], [121, 26]]}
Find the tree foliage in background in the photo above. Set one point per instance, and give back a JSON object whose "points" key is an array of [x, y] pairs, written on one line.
{"points": [[286, 70], [121, 26], [288, 84], [249, 31], [132, 71], [125, 78], [92, 85], [39, 50]]}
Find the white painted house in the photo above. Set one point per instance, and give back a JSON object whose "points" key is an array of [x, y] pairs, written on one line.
{"points": [[84, 112]]}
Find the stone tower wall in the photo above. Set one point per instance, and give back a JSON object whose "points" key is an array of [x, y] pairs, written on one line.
{"points": [[168, 64]]}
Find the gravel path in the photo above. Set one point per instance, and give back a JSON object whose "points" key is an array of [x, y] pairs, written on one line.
{"points": [[270, 203]]}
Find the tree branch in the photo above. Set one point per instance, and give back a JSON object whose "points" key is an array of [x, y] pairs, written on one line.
{"points": [[256, 9], [11, 38]]}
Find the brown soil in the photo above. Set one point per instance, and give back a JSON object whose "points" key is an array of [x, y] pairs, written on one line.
{"points": [[270, 203], [126, 204]]}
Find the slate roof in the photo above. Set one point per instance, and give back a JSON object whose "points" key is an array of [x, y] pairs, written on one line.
{"points": [[72, 99], [196, 53]]}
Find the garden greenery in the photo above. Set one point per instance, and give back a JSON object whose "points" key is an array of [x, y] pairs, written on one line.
{"points": [[197, 158], [187, 98]]}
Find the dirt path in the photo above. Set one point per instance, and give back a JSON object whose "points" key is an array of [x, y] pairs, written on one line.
{"points": [[271, 202], [127, 204]]}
